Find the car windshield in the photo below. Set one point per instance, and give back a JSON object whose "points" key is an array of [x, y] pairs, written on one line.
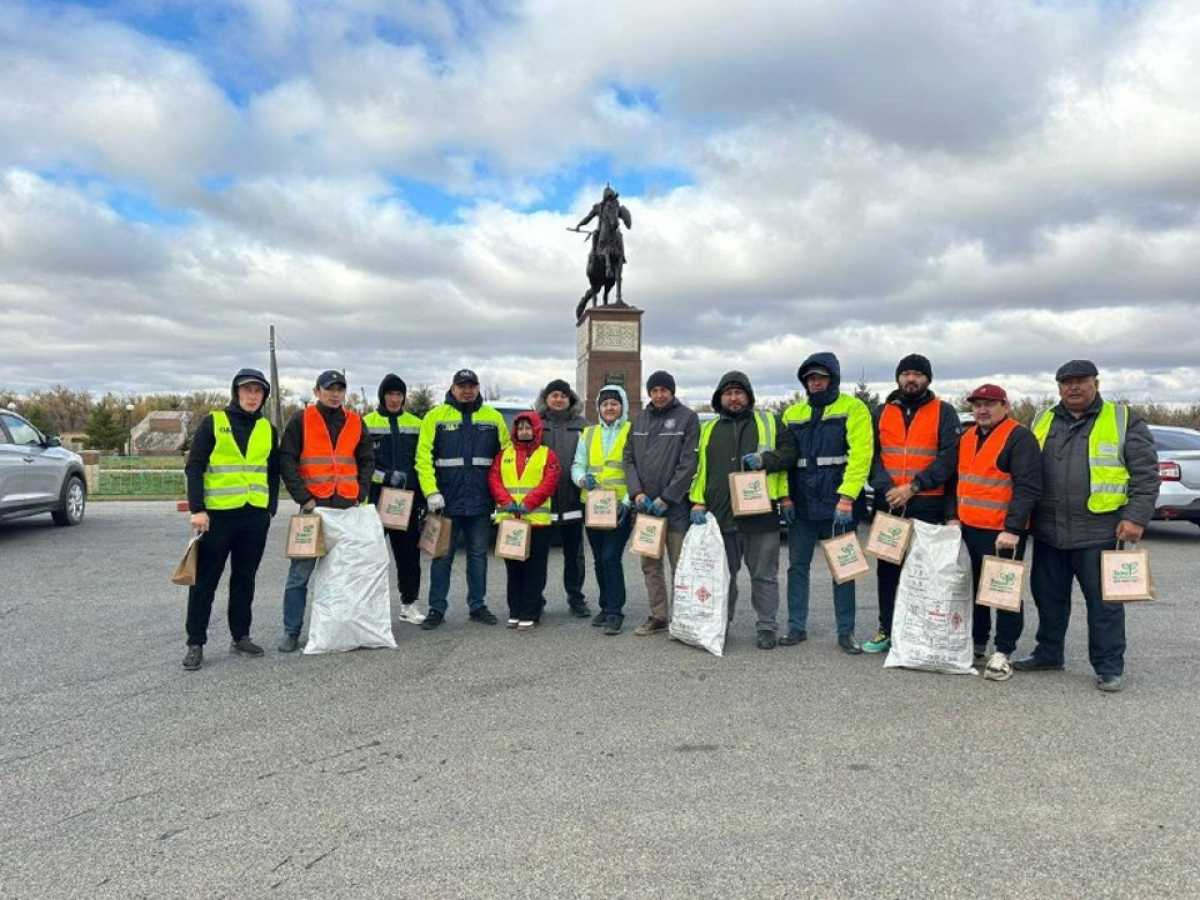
{"points": [[1176, 440]]}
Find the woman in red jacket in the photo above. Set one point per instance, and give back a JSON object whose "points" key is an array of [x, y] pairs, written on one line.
{"points": [[523, 480]]}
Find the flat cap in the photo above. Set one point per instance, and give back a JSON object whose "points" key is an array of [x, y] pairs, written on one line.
{"points": [[1076, 368]]}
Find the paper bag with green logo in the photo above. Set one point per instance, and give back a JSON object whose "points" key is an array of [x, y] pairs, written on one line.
{"points": [[1001, 582], [845, 556], [435, 536], [1125, 575], [395, 508], [513, 539], [889, 536], [649, 536], [306, 537], [748, 493], [601, 509]]}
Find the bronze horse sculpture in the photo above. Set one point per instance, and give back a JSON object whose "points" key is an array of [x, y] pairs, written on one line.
{"points": [[606, 259]]}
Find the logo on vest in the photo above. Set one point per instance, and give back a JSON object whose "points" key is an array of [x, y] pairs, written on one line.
{"points": [[670, 423]]}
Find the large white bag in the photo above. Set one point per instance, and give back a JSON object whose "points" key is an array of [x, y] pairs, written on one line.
{"points": [[932, 626], [349, 589], [701, 592]]}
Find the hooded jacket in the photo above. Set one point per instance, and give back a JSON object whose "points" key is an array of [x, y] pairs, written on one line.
{"points": [[660, 457], [458, 443], [826, 427], [551, 474], [1062, 518], [395, 450], [561, 436], [203, 442], [733, 436], [942, 472], [608, 433]]}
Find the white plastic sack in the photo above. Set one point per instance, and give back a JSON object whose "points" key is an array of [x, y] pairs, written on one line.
{"points": [[701, 595], [932, 626], [349, 589]]}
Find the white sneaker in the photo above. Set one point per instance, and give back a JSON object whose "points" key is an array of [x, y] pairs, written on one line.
{"points": [[998, 668], [512, 623], [524, 625], [410, 614]]}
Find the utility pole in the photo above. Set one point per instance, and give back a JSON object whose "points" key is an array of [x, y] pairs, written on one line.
{"points": [[276, 405]]}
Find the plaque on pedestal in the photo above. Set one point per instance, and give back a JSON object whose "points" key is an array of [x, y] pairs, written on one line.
{"points": [[608, 350]]}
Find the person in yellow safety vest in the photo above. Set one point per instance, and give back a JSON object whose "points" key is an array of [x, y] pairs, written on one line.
{"points": [[1099, 486], [743, 438], [599, 464], [523, 480], [232, 474]]}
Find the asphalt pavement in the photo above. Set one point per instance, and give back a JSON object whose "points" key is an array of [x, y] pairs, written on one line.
{"points": [[481, 762]]}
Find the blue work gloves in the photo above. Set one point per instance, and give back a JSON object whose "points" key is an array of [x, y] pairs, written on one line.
{"points": [[658, 507], [788, 511], [515, 508], [644, 505], [752, 462], [588, 482], [622, 514], [843, 519], [399, 480], [698, 517]]}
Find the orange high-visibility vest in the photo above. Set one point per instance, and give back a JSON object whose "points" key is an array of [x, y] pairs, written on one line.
{"points": [[984, 491], [324, 468], [904, 452]]}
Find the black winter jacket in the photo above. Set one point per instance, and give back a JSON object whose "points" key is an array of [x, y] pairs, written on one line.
{"points": [[561, 432], [660, 457]]}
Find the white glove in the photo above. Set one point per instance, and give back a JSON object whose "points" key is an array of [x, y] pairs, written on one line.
{"points": [[436, 503]]}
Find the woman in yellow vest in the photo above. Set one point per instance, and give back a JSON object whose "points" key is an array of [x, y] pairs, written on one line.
{"points": [[523, 479], [232, 475], [599, 463]]}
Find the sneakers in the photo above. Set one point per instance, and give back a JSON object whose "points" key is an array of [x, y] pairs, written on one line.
{"points": [[194, 657], [289, 644], [849, 644], [793, 637], [525, 625], [980, 652], [247, 646], [766, 640], [1034, 663], [881, 643], [613, 624], [410, 614], [650, 626], [600, 619], [484, 616], [998, 668], [435, 618], [580, 610], [1110, 684], [513, 623]]}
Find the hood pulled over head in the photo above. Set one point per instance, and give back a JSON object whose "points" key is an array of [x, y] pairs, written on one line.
{"points": [[620, 391], [533, 419], [731, 378]]}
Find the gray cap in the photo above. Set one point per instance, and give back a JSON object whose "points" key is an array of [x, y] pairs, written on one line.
{"points": [[330, 377], [1076, 368]]}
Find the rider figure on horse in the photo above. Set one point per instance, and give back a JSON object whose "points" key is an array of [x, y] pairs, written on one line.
{"points": [[608, 247]]}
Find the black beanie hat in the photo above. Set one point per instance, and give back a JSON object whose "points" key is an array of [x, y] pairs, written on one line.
{"points": [[558, 384], [915, 362], [660, 379]]}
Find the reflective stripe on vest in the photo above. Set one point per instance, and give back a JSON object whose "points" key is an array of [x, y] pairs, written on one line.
{"points": [[519, 486], [233, 480], [765, 425], [906, 451], [326, 469], [609, 471], [1109, 478], [984, 491]]}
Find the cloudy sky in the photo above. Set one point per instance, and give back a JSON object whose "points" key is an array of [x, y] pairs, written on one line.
{"points": [[1000, 185]]}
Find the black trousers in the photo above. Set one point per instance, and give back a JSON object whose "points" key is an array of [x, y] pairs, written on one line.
{"points": [[239, 536], [570, 534], [1051, 580], [887, 575], [408, 559], [527, 580], [981, 542]]}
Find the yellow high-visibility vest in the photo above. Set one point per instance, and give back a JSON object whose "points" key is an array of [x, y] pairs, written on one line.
{"points": [[232, 480]]}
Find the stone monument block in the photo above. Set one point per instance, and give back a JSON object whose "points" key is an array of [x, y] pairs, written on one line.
{"points": [[608, 350]]}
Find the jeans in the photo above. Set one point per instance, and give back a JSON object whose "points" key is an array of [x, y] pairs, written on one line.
{"points": [[474, 531], [659, 592], [241, 537], [608, 546], [295, 595], [981, 542], [527, 579], [760, 552], [1053, 572], [802, 541]]}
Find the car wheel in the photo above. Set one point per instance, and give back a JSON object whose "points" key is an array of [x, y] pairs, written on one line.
{"points": [[73, 503]]}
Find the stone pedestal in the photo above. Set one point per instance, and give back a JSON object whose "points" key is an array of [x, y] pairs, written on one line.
{"points": [[608, 350]]}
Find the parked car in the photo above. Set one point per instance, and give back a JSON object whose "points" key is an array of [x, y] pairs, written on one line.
{"points": [[1179, 469], [38, 474]]}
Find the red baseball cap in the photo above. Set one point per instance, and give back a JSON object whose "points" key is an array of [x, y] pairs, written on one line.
{"points": [[988, 392]]}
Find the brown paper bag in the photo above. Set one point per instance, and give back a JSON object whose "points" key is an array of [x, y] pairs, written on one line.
{"points": [[601, 510], [649, 536], [514, 537], [1000, 583], [185, 572], [435, 536], [749, 494], [306, 537], [845, 557], [889, 537], [1125, 575], [395, 508]]}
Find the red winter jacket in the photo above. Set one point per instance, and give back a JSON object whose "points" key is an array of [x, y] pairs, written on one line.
{"points": [[549, 484]]}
